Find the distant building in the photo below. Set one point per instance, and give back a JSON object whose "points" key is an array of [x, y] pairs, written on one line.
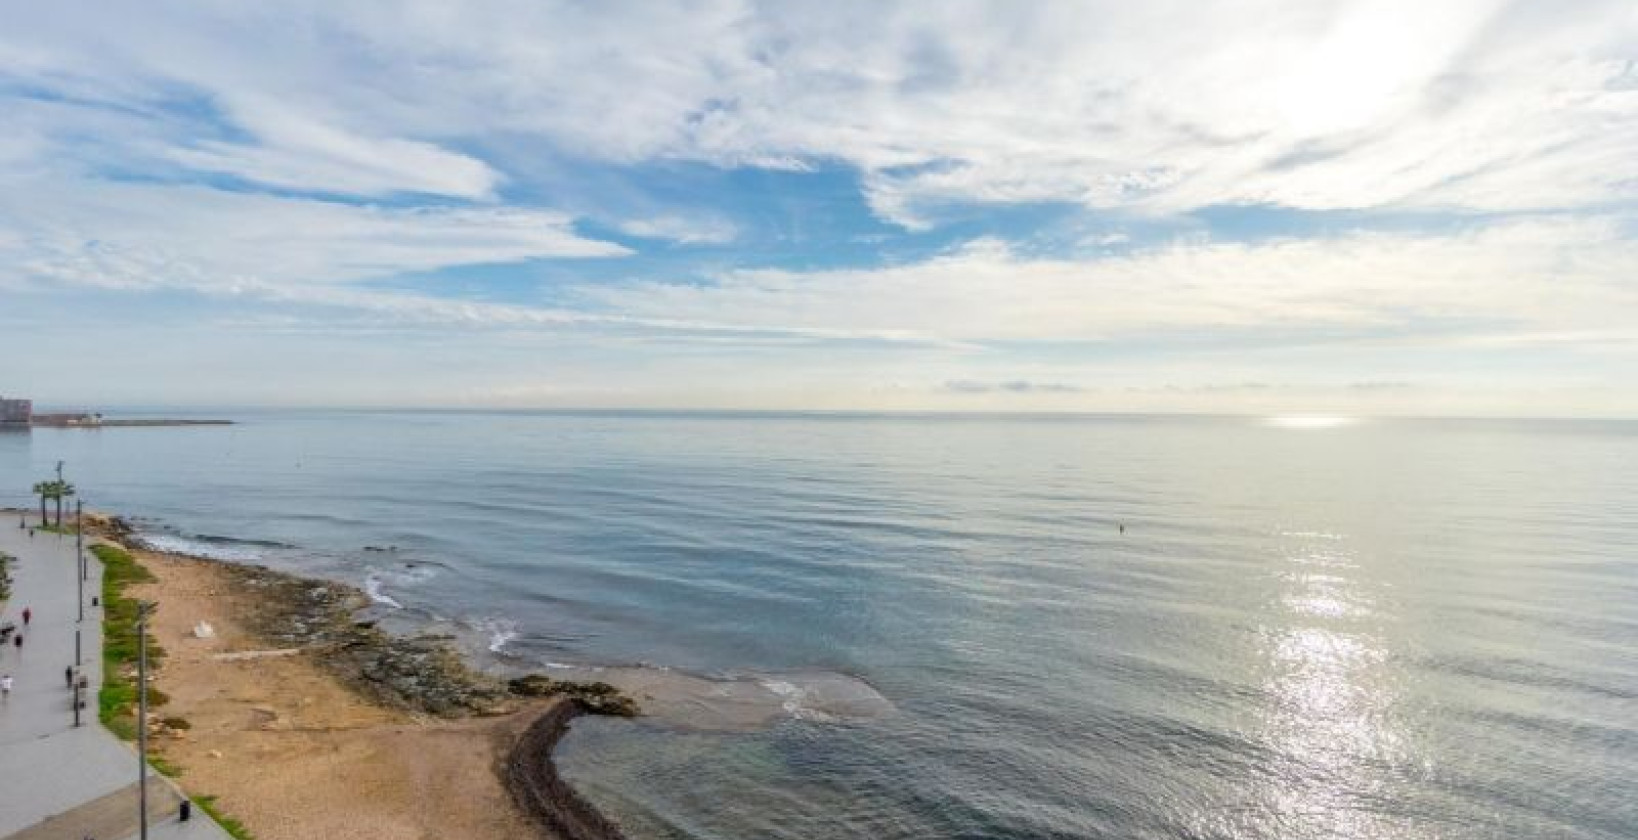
{"points": [[16, 412]]}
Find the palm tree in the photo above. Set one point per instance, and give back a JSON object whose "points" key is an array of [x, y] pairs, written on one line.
{"points": [[64, 489], [43, 489]]}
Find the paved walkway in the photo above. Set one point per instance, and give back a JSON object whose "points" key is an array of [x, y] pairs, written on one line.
{"points": [[58, 780]]}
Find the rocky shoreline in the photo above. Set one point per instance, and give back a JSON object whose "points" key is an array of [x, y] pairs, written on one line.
{"points": [[423, 674]]}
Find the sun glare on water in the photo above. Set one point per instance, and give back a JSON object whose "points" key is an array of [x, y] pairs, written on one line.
{"points": [[1310, 421]]}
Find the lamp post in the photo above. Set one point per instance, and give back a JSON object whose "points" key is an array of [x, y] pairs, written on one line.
{"points": [[79, 559], [144, 610]]}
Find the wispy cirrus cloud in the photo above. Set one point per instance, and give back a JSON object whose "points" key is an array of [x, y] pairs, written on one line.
{"points": [[1339, 191], [292, 150], [133, 236], [686, 231], [1481, 104], [1513, 277]]}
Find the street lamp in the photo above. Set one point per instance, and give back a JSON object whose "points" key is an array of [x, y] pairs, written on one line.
{"points": [[144, 610], [79, 534], [79, 559]]}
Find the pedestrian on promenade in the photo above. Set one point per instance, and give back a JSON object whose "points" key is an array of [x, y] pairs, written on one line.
{"points": [[68, 675], [28, 613], [18, 641], [5, 687]]}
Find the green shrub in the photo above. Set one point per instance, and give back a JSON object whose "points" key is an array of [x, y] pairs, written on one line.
{"points": [[116, 702], [117, 699]]}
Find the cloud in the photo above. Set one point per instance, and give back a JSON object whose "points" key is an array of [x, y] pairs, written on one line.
{"points": [[1505, 278], [1518, 283], [1012, 386], [686, 231], [292, 150], [1481, 105], [155, 236], [306, 167]]}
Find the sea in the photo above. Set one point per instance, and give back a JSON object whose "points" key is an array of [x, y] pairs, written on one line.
{"points": [[997, 626]]}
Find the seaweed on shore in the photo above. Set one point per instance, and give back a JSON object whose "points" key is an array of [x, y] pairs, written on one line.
{"points": [[536, 787], [418, 673], [597, 698], [427, 674], [422, 673]]}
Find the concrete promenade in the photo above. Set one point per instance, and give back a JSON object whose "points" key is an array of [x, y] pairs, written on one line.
{"points": [[58, 781]]}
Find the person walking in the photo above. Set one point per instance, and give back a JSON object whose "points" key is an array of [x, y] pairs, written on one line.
{"points": [[5, 687], [18, 641], [28, 613]]}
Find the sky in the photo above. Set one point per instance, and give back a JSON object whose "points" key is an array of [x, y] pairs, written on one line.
{"points": [[1327, 207]]}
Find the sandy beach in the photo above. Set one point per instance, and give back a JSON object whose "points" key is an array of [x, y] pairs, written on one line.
{"points": [[293, 752]]}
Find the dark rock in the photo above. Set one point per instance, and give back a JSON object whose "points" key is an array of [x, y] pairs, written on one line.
{"points": [[598, 698]]}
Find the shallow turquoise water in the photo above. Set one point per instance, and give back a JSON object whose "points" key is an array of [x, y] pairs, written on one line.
{"points": [[1399, 629]]}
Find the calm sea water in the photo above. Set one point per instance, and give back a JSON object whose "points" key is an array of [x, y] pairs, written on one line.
{"points": [[1406, 629]]}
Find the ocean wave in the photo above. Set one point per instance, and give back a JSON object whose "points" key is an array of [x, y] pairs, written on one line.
{"points": [[377, 579], [211, 549], [743, 701], [213, 539], [499, 630], [792, 701], [372, 588]]}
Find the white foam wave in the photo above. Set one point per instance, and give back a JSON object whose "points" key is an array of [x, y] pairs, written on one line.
{"points": [[745, 701], [794, 700], [372, 588], [581, 669], [500, 631], [377, 579], [177, 544]]}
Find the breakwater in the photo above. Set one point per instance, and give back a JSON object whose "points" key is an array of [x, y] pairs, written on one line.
{"points": [[532, 777]]}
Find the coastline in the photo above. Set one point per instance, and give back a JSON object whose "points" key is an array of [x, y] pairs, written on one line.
{"points": [[301, 721]]}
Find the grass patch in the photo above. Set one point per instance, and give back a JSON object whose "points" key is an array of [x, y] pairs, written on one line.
{"points": [[116, 701], [164, 766], [232, 826], [57, 529]]}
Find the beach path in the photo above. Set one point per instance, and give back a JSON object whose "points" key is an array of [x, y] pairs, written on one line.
{"points": [[56, 779]]}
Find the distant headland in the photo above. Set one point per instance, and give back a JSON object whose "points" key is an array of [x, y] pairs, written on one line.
{"points": [[20, 414]]}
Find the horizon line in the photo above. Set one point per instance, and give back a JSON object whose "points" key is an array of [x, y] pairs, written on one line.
{"points": [[839, 412]]}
